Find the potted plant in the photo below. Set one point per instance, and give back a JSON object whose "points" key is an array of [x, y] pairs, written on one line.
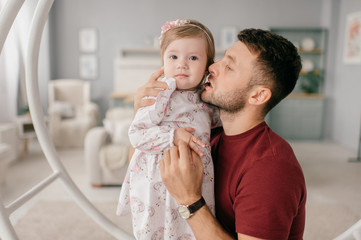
{"points": [[311, 81]]}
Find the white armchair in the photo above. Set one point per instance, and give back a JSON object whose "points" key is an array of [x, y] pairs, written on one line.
{"points": [[106, 148], [71, 113]]}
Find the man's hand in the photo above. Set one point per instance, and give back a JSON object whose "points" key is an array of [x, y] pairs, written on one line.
{"points": [[185, 135], [182, 173], [150, 89]]}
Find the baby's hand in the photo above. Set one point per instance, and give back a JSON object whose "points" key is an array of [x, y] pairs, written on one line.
{"points": [[185, 134]]}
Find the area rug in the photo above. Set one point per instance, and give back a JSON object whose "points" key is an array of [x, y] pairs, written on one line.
{"points": [[65, 220], [325, 221]]}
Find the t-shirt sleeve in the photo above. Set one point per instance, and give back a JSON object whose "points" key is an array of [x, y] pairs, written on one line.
{"points": [[267, 199]]}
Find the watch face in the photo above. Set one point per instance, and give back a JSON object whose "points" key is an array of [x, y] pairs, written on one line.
{"points": [[184, 212]]}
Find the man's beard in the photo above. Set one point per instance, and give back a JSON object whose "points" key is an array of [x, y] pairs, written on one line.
{"points": [[231, 102]]}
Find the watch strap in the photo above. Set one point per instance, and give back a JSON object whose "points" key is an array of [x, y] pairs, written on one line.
{"points": [[196, 206]]}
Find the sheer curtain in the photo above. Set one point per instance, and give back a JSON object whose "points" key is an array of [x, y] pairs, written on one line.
{"points": [[12, 70]]}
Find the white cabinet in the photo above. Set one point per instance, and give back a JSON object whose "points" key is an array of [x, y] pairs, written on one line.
{"points": [[299, 117]]}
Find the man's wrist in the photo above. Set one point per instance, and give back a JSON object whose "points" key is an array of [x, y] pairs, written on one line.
{"points": [[189, 200], [186, 211]]}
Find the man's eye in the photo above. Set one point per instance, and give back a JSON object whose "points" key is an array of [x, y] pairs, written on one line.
{"points": [[193, 58], [173, 57]]}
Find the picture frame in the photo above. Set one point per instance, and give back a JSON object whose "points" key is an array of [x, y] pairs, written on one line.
{"points": [[352, 47], [88, 67], [228, 36], [88, 40]]}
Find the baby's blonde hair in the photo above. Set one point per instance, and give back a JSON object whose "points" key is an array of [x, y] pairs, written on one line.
{"points": [[191, 29]]}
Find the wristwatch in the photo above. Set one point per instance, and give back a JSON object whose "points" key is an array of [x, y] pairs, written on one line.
{"points": [[186, 211]]}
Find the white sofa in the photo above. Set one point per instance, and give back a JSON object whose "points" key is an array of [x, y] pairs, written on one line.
{"points": [[106, 148], [71, 112]]}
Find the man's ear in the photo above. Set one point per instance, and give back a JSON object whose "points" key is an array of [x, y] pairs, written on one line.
{"points": [[260, 95]]}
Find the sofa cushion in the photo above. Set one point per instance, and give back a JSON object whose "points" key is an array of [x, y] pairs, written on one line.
{"points": [[65, 109], [113, 156], [118, 130]]}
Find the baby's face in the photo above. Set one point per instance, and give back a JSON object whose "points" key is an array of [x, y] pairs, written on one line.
{"points": [[185, 60]]}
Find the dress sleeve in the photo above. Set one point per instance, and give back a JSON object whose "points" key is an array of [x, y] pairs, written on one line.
{"points": [[146, 132]]}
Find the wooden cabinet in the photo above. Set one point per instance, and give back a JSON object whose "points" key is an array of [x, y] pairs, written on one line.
{"points": [[299, 117]]}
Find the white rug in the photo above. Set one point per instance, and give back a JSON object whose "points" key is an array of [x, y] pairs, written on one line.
{"points": [[325, 221], [65, 220]]}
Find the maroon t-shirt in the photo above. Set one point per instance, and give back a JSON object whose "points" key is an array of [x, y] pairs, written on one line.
{"points": [[259, 185]]}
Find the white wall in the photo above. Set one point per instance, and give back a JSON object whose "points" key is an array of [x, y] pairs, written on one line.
{"points": [[123, 23], [344, 91]]}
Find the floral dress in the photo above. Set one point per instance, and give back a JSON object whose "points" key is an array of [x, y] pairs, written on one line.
{"points": [[143, 194]]}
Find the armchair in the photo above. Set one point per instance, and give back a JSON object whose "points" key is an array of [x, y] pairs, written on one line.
{"points": [[106, 148], [71, 113]]}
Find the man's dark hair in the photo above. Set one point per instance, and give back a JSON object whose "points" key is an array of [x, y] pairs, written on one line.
{"points": [[278, 63]]}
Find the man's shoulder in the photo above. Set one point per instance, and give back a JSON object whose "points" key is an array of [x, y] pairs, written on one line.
{"points": [[267, 145], [279, 145]]}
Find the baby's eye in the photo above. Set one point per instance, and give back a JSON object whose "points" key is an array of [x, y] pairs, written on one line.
{"points": [[228, 67], [193, 58], [173, 57]]}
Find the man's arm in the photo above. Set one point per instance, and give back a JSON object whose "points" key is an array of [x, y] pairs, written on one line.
{"points": [[182, 174], [205, 226], [150, 89]]}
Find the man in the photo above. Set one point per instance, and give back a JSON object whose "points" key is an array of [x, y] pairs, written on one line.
{"points": [[259, 185]]}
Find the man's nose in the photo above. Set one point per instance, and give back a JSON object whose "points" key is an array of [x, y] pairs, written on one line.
{"points": [[212, 69]]}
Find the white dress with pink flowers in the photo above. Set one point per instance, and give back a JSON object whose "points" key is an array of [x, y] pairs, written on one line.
{"points": [[143, 194]]}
